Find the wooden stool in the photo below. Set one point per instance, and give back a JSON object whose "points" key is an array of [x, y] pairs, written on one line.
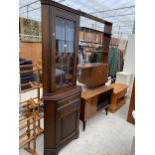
{"points": [[118, 97]]}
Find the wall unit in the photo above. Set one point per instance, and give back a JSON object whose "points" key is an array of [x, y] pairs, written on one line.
{"points": [[60, 29], [60, 36], [90, 35], [90, 44]]}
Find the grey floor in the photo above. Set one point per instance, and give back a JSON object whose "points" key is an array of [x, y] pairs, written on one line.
{"points": [[104, 135]]}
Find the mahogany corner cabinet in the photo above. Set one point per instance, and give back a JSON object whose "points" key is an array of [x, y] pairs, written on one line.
{"points": [[61, 96]]}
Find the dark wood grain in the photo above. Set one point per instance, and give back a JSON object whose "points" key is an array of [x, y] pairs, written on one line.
{"points": [[61, 119], [46, 54], [132, 106], [78, 12], [94, 75], [62, 105]]}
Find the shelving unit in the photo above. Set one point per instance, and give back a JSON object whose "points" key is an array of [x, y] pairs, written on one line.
{"points": [[91, 43], [29, 124], [118, 98], [62, 97], [30, 114]]}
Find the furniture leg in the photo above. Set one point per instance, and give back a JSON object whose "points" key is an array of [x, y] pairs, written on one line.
{"points": [[106, 110], [84, 125]]}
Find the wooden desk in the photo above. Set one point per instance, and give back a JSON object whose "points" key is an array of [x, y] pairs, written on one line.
{"points": [[93, 100], [118, 96]]}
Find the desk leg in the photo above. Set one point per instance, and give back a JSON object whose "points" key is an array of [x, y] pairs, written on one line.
{"points": [[84, 125], [106, 110]]}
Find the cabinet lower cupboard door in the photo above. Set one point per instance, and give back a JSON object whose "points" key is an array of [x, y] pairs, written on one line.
{"points": [[61, 119], [67, 121]]}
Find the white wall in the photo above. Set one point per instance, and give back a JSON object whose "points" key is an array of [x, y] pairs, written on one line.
{"points": [[129, 64]]}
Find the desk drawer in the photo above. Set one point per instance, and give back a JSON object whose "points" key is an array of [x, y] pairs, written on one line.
{"points": [[68, 106]]}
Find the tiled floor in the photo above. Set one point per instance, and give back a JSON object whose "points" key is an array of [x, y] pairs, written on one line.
{"points": [[104, 135]]}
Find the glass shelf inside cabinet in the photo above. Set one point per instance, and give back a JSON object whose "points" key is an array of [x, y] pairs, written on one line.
{"points": [[65, 30]]}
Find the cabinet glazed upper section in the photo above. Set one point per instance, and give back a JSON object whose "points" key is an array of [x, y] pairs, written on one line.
{"points": [[60, 48]]}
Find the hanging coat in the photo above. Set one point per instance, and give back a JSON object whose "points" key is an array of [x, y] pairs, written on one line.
{"points": [[113, 61]]}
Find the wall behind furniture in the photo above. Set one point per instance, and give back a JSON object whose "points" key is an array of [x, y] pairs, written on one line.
{"points": [[129, 64], [31, 50]]}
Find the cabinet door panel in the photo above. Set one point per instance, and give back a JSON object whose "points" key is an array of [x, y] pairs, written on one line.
{"points": [[64, 47], [67, 121], [65, 34], [68, 124]]}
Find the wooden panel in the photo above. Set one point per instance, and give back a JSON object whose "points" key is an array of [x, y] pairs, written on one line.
{"points": [[106, 42], [116, 104], [100, 75], [89, 93], [68, 129], [118, 88], [94, 75], [49, 124], [78, 12], [118, 96], [90, 99], [132, 106], [61, 119], [68, 107], [31, 51], [67, 120], [91, 107]]}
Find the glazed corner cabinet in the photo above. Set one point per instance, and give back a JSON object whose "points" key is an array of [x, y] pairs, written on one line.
{"points": [[61, 96], [60, 32]]}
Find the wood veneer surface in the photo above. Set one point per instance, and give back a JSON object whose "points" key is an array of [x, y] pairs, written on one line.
{"points": [[89, 93]]}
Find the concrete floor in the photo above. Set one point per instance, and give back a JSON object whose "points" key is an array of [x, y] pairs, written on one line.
{"points": [[104, 135]]}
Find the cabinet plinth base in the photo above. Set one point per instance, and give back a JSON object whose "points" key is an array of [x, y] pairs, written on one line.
{"points": [[56, 151], [50, 152]]}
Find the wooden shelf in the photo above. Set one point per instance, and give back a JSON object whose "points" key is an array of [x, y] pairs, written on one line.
{"points": [[118, 97], [119, 104], [30, 113]]}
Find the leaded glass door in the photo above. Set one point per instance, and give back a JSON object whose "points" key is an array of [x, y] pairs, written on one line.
{"points": [[64, 51]]}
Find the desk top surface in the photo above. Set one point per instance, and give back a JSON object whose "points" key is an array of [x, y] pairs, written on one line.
{"points": [[88, 93]]}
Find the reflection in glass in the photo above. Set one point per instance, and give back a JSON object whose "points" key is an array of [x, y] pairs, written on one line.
{"points": [[64, 51]]}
